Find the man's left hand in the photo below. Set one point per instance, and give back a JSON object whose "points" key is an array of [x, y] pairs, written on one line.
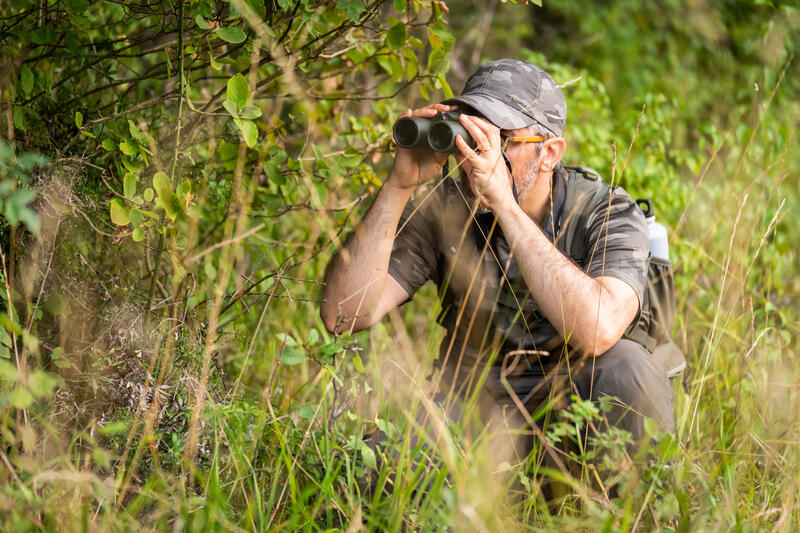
{"points": [[486, 170]]}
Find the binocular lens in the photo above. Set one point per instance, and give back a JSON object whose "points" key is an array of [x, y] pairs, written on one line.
{"points": [[438, 133], [410, 132], [442, 138]]}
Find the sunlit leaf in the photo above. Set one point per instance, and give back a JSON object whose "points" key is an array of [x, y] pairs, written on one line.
{"points": [[40, 383], [128, 148], [231, 34], [396, 36], [250, 112], [231, 108], [129, 185], [238, 91], [293, 356], [249, 131], [21, 398], [160, 181], [119, 213], [353, 8]]}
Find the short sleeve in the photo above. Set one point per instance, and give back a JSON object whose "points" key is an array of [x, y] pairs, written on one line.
{"points": [[415, 254], [618, 242]]}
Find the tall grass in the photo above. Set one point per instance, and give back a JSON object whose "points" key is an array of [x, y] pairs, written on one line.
{"points": [[261, 424]]}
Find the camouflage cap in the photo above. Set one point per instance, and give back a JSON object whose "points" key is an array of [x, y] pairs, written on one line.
{"points": [[514, 94]]}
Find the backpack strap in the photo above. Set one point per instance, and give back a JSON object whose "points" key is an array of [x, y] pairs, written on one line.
{"points": [[585, 188]]}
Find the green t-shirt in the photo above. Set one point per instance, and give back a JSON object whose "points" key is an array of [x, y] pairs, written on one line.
{"points": [[437, 240]]}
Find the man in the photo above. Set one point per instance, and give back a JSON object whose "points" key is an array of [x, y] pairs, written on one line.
{"points": [[543, 317]]}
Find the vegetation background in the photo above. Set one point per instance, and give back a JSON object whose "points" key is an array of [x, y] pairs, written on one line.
{"points": [[174, 176]]}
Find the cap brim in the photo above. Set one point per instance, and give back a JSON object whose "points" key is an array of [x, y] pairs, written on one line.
{"points": [[498, 113]]}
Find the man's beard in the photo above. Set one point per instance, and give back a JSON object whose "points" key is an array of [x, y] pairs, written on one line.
{"points": [[528, 180]]}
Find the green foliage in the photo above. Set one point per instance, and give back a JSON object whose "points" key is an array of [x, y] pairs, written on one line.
{"points": [[162, 364], [15, 197]]}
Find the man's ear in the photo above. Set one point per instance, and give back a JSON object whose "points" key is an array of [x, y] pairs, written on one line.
{"points": [[552, 150]]}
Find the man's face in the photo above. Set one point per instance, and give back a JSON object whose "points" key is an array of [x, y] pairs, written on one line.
{"points": [[524, 159]]}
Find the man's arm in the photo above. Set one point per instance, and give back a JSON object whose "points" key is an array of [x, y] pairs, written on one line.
{"points": [[358, 289], [591, 313]]}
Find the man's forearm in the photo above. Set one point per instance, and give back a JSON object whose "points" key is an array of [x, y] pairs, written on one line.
{"points": [[356, 276], [576, 304]]}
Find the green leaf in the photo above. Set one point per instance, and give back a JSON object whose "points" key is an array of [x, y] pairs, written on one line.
{"points": [[201, 22], [273, 174], [26, 79], [250, 112], [330, 349], [78, 119], [286, 339], [133, 130], [43, 35], [128, 148], [119, 213], [148, 194], [368, 455], [88, 134], [293, 356], [307, 412], [57, 353], [109, 145], [136, 217], [249, 131], [231, 108], [40, 383], [238, 90], [113, 428], [160, 181], [170, 202], [412, 63], [138, 234], [352, 8], [400, 5], [231, 34], [20, 398], [448, 92], [436, 60], [184, 188], [19, 118], [358, 363], [8, 372], [396, 36], [129, 185]]}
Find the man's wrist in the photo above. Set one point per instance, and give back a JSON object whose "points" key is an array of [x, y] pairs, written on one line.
{"points": [[392, 185]]}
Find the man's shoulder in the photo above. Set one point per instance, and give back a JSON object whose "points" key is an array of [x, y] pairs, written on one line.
{"points": [[587, 187]]}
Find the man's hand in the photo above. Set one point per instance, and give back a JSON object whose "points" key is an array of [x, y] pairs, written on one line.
{"points": [[416, 166], [486, 170]]}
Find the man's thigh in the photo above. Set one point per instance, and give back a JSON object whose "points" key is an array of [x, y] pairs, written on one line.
{"points": [[628, 373]]}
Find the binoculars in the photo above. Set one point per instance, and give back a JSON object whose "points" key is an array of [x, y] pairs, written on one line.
{"points": [[437, 133]]}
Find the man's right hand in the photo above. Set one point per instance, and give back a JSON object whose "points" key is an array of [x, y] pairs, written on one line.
{"points": [[416, 166]]}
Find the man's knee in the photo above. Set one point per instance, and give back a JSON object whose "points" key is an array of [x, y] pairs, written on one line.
{"points": [[629, 373]]}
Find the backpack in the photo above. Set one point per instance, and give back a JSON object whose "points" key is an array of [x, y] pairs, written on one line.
{"points": [[585, 188]]}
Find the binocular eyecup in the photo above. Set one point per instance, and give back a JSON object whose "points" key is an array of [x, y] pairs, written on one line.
{"points": [[437, 133]]}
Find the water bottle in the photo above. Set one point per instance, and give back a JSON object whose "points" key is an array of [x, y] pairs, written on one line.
{"points": [[659, 245]]}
